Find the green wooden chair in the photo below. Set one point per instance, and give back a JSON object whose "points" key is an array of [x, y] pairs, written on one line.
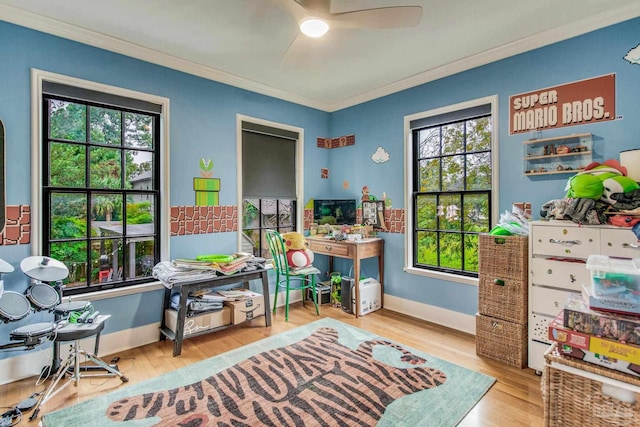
{"points": [[288, 278]]}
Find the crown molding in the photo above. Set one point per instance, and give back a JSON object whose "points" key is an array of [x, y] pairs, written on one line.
{"points": [[113, 44], [535, 41]]}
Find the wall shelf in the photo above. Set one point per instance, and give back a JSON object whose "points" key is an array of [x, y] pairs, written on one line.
{"points": [[557, 155]]}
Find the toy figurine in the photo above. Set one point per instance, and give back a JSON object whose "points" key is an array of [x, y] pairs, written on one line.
{"points": [[365, 193]]}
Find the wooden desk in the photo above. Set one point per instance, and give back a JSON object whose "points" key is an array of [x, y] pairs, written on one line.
{"points": [[356, 251], [188, 287]]}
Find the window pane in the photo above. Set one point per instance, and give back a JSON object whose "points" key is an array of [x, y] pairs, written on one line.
{"points": [[471, 252], [285, 212], [250, 213], [140, 261], [105, 168], [479, 134], [138, 130], [140, 212], [66, 165], [451, 250], [74, 256], [67, 121], [105, 126], [106, 260], [68, 216], [453, 173], [429, 142], [269, 213], [427, 207], [476, 213], [427, 248], [106, 213], [453, 138], [139, 170], [479, 171], [449, 212], [429, 175]]}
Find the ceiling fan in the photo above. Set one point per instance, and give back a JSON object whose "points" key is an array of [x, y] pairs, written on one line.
{"points": [[315, 13]]}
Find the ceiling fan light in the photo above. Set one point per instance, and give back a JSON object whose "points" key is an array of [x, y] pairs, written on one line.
{"points": [[314, 27]]}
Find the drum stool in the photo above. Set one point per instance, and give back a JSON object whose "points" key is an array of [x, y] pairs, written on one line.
{"points": [[72, 363]]}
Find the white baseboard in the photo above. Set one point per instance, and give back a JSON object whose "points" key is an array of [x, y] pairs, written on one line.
{"points": [[31, 362], [430, 313]]}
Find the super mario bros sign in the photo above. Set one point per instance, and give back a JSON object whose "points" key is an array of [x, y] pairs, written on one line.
{"points": [[583, 102]]}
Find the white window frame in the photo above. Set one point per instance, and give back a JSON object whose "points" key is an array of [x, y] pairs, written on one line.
{"points": [[408, 182], [38, 77], [299, 169]]}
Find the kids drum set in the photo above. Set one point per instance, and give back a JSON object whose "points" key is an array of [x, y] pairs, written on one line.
{"points": [[43, 294]]}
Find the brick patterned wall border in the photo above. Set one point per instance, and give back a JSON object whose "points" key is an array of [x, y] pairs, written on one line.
{"points": [[17, 225], [203, 219], [341, 141], [185, 220]]}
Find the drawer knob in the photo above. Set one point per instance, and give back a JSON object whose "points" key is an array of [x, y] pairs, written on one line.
{"points": [[549, 271], [328, 248]]}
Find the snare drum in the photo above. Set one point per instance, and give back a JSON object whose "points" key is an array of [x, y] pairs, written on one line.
{"points": [[67, 307], [36, 330], [43, 296], [13, 306]]}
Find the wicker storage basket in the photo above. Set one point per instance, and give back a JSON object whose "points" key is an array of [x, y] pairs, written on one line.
{"points": [[505, 299], [578, 393], [501, 340], [503, 257]]}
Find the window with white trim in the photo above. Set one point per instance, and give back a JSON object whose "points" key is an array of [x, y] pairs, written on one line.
{"points": [[452, 176], [100, 211]]}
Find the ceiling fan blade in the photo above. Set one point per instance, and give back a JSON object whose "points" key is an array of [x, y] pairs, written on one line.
{"points": [[305, 51], [383, 17], [294, 8], [296, 52]]}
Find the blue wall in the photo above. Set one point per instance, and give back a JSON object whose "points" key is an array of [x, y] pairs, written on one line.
{"points": [[203, 125], [380, 123]]}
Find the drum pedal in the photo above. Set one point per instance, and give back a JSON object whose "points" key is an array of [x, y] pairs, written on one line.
{"points": [[28, 403], [10, 418]]}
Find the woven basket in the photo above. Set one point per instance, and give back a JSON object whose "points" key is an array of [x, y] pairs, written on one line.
{"points": [[505, 299], [501, 340], [503, 257], [571, 399]]}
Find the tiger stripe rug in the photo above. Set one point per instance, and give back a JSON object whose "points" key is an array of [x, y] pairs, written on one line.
{"points": [[326, 373]]}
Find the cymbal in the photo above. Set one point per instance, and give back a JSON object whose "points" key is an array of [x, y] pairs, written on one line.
{"points": [[44, 268], [5, 267]]}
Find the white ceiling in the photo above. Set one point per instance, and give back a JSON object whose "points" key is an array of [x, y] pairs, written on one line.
{"points": [[245, 42]]}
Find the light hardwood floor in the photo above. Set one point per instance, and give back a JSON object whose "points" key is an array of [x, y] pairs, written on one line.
{"points": [[514, 400]]}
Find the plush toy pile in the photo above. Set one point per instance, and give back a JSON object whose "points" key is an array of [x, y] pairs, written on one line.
{"points": [[599, 188], [298, 253]]}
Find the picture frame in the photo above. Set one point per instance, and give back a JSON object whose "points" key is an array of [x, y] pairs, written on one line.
{"points": [[373, 213]]}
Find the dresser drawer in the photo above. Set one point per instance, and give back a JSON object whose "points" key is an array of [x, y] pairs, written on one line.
{"points": [[328, 248], [619, 242], [560, 274], [547, 301], [571, 241]]}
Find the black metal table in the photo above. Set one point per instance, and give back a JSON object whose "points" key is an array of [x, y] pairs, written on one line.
{"points": [[189, 287]]}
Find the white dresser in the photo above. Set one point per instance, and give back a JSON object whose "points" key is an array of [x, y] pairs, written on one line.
{"points": [[558, 251]]}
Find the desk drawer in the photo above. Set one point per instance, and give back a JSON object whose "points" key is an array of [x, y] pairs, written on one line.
{"points": [[329, 248]]}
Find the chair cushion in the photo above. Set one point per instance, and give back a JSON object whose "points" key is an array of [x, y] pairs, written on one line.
{"points": [[304, 271]]}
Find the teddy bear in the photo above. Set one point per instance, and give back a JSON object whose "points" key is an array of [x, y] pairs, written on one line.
{"points": [[297, 251]]}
